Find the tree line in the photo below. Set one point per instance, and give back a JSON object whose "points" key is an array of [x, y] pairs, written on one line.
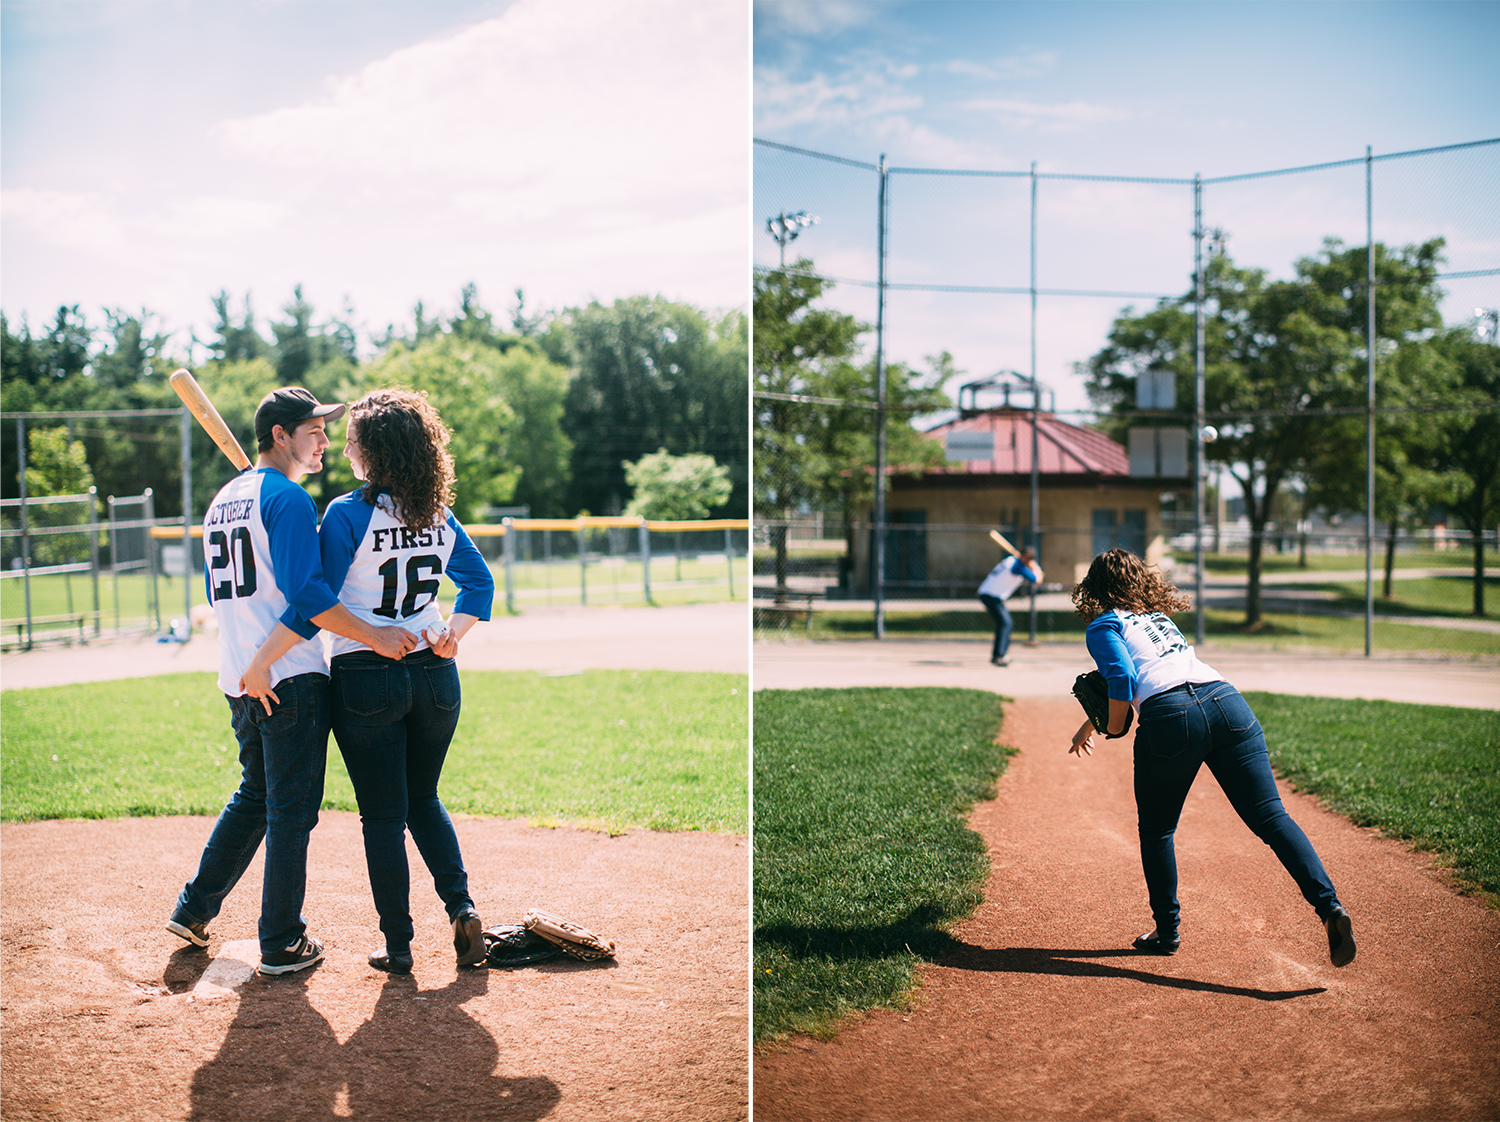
{"points": [[548, 411]]}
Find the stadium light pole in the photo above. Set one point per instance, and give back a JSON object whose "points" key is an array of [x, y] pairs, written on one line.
{"points": [[786, 227]]}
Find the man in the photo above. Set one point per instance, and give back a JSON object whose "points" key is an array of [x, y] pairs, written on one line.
{"points": [[1003, 580], [260, 549]]}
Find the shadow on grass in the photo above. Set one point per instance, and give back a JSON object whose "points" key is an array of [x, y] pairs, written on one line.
{"points": [[1063, 964], [914, 934]]}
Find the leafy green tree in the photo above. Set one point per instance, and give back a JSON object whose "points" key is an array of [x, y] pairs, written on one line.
{"points": [[1278, 355], [236, 342], [670, 488], [57, 465], [1472, 455], [649, 374]]}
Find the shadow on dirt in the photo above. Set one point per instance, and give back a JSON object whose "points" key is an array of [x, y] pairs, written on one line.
{"points": [[418, 1056], [1062, 963]]}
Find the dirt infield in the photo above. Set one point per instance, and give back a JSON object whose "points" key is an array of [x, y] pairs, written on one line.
{"points": [[1047, 1013], [106, 1016]]}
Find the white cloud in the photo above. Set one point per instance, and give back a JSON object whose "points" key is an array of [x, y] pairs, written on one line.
{"points": [[800, 18], [1011, 68], [1034, 116]]}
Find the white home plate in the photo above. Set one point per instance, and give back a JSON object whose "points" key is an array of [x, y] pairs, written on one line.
{"points": [[231, 968]]}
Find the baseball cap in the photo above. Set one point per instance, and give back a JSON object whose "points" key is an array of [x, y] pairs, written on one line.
{"points": [[289, 407]]}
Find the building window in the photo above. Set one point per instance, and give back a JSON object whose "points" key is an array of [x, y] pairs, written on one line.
{"points": [[1110, 532], [1104, 532]]}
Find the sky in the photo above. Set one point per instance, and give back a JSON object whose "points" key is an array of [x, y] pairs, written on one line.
{"points": [[1121, 89], [377, 153]]}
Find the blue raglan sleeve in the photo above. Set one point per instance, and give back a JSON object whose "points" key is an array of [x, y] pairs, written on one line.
{"points": [[466, 569], [291, 522], [338, 538], [1106, 643]]}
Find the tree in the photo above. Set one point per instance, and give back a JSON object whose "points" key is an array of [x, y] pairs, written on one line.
{"points": [[1278, 356], [649, 374], [236, 342], [1472, 456], [57, 465], [675, 488]]}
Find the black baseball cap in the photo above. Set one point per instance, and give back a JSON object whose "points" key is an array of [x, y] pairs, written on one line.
{"points": [[289, 407]]}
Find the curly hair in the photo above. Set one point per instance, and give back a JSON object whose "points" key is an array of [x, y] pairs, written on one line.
{"points": [[1120, 579], [404, 446]]}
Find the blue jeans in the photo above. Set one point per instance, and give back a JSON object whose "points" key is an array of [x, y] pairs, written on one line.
{"points": [[1210, 723], [393, 722], [283, 757], [1003, 624]]}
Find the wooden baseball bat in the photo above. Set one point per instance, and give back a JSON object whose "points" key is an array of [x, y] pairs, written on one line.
{"points": [[996, 534], [196, 400]]}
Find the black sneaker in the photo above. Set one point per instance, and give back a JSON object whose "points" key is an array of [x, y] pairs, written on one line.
{"points": [[299, 956], [468, 938], [390, 963], [183, 925], [1340, 937], [1153, 943]]}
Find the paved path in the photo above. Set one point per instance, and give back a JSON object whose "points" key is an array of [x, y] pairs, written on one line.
{"points": [[686, 637], [1048, 670]]}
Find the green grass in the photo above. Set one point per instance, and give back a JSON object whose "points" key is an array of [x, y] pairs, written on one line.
{"points": [[1425, 596], [612, 750], [1230, 564], [1427, 773], [862, 859]]}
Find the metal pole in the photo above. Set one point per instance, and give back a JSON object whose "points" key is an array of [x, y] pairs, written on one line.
{"points": [[508, 558], [729, 556], [583, 564], [878, 566], [151, 547], [187, 526], [1199, 409], [1370, 344], [25, 524], [94, 552], [645, 539], [114, 559], [1036, 400]]}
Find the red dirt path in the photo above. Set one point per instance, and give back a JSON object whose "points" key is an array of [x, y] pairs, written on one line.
{"points": [[1047, 1013]]}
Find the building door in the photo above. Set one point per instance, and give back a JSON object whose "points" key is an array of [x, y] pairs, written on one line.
{"points": [[906, 551]]}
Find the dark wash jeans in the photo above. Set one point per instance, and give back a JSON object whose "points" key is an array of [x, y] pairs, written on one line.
{"points": [[393, 722], [1210, 723], [1004, 625], [282, 760]]}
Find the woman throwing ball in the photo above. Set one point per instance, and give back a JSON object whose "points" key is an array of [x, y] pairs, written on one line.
{"points": [[385, 549], [1189, 716]]}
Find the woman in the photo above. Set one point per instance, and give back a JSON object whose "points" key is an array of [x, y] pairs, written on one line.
{"points": [[1189, 716], [385, 548]]}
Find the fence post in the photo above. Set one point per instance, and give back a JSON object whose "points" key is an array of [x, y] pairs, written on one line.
{"points": [[25, 525], [187, 528], [508, 556], [583, 564], [151, 548], [645, 536], [114, 556], [94, 555], [729, 556]]}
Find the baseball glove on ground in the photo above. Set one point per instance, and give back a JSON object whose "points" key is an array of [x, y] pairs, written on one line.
{"points": [[1093, 695], [568, 937], [510, 944]]}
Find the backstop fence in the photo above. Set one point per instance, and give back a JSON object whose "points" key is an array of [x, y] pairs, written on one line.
{"points": [[1025, 271]]}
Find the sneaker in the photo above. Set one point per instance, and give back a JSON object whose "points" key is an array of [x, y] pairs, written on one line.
{"points": [[1340, 937], [299, 956], [468, 938], [183, 925], [1152, 943], [390, 963]]}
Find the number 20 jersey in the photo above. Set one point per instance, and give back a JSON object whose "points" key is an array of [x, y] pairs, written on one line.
{"points": [[388, 573], [260, 553]]}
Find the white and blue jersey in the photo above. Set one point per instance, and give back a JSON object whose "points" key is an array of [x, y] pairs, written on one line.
{"points": [[1005, 578], [388, 573], [261, 560], [1142, 655]]}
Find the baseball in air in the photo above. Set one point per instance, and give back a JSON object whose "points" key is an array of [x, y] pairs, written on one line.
{"points": [[1209, 434]]}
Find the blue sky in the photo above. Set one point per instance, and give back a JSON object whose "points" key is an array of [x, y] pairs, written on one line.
{"points": [[376, 151], [1119, 89]]}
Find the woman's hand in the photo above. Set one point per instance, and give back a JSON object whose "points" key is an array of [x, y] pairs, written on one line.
{"points": [[256, 683], [458, 626], [1083, 740]]}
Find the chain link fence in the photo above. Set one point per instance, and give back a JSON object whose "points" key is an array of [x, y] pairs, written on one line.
{"points": [[1023, 270]]}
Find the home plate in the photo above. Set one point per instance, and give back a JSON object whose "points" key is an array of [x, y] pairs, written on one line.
{"points": [[231, 968]]}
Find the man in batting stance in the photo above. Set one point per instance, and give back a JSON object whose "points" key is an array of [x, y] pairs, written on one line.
{"points": [[260, 548], [1003, 580]]}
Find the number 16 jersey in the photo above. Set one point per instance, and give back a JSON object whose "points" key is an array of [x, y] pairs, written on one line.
{"points": [[260, 553], [388, 573]]}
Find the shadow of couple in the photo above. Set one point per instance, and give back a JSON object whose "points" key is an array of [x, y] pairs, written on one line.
{"points": [[420, 1055]]}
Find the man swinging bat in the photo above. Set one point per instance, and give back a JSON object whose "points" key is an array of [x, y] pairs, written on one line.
{"points": [[260, 549], [1017, 569]]}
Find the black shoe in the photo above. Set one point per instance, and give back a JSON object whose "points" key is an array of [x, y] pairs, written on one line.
{"points": [[299, 956], [999, 662], [468, 938], [390, 963], [1152, 943], [1340, 937], [183, 925]]}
